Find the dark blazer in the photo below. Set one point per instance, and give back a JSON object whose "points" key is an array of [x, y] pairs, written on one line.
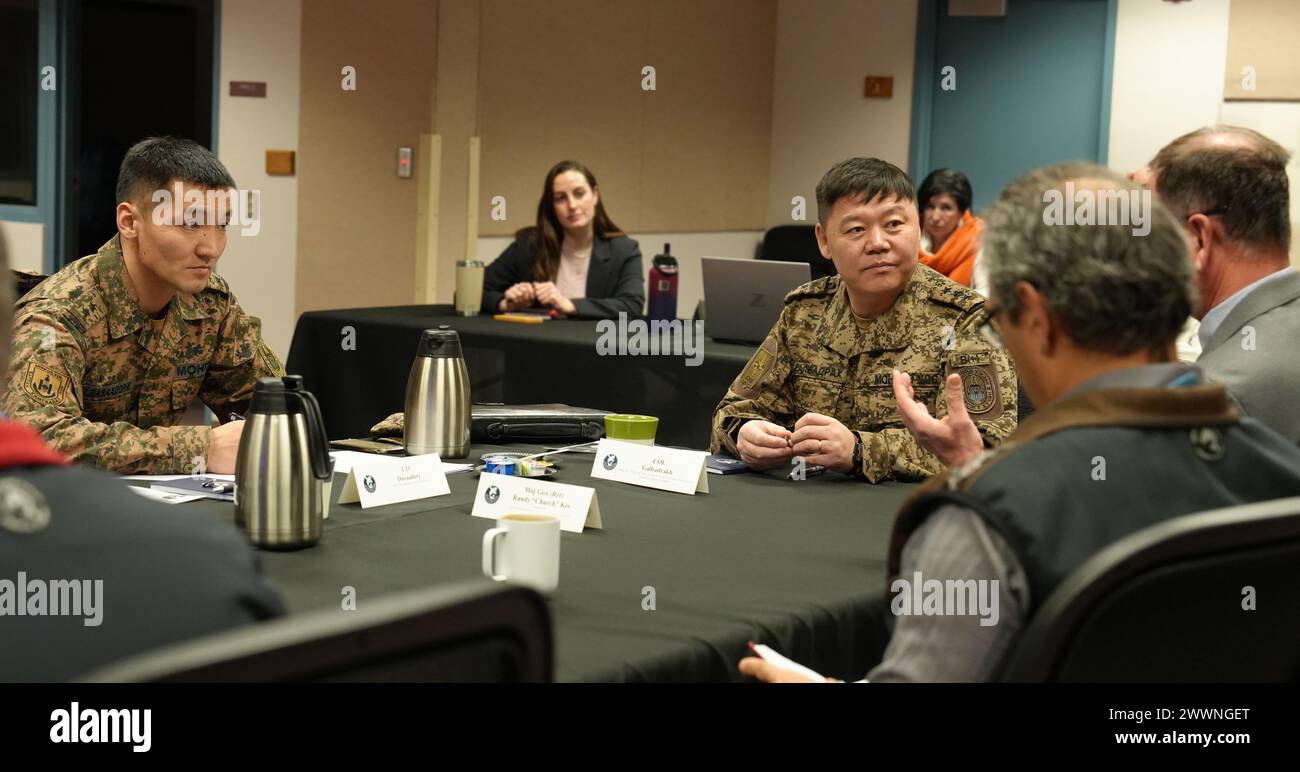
{"points": [[1259, 366], [615, 281]]}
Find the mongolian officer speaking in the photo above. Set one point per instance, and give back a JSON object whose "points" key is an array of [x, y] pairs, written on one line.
{"points": [[821, 385]]}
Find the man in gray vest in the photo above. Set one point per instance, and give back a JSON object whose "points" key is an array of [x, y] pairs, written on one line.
{"points": [[1126, 436], [1229, 187]]}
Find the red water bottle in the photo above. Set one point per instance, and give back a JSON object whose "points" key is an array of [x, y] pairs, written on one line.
{"points": [[663, 287]]}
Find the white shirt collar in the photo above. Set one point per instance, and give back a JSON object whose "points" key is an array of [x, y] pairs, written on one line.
{"points": [[1215, 316]]}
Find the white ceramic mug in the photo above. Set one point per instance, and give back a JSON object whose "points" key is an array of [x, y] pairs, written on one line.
{"points": [[524, 549]]}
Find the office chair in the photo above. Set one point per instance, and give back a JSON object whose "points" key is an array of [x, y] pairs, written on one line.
{"points": [[477, 632], [1166, 604], [795, 244]]}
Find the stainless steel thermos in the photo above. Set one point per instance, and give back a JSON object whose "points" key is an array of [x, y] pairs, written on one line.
{"points": [[437, 397], [282, 466]]}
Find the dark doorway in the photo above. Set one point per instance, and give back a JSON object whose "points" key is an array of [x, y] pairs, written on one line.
{"points": [[19, 56], [145, 70]]}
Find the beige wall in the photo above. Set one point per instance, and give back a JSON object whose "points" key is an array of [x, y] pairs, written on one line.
{"points": [[689, 156], [356, 217], [456, 122], [1170, 64], [260, 42], [24, 244], [1263, 37], [824, 51]]}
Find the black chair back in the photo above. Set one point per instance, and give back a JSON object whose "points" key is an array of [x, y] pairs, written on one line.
{"points": [[1213, 596]]}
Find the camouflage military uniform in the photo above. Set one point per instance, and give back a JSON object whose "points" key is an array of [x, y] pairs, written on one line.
{"points": [[106, 385], [820, 358]]}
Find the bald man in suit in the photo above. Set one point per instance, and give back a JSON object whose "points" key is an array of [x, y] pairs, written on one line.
{"points": [[1229, 186]]}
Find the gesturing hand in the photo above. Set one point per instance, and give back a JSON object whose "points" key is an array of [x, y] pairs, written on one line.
{"points": [[954, 440]]}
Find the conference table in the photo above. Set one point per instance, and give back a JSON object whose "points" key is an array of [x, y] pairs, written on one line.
{"points": [[356, 362], [669, 590]]}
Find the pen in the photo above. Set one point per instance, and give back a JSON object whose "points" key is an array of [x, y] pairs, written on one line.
{"points": [[236, 417], [811, 470], [219, 487]]}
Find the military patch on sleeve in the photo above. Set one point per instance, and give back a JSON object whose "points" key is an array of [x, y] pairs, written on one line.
{"points": [[44, 385], [979, 383], [270, 362], [759, 366]]}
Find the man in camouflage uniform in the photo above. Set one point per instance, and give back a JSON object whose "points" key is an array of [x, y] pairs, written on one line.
{"points": [[110, 352], [822, 385]]}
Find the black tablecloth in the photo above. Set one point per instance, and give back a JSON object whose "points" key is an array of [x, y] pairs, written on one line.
{"points": [[513, 363], [797, 565]]}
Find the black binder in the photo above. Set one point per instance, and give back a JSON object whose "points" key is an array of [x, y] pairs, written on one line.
{"points": [[548, 423]]}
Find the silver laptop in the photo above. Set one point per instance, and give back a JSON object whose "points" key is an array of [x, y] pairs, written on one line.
{"points": [[743, 298]]}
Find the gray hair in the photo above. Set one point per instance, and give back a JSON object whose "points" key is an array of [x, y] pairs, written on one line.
{"points": [[1112, 289]]}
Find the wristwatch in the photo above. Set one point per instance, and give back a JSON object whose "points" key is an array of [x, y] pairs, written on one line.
{"points": [[857, 454]]}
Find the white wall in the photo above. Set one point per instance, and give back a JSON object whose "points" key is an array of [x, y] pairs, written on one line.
{"points": [[688, 248], [1169, 73], [1280, 121], [24, 244], [824, 51], [260, 41]]}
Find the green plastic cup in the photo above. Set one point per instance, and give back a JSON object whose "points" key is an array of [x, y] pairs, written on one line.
{"points": [[631, 428]]}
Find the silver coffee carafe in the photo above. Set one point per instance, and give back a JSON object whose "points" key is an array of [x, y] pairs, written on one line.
{"points": [[437, 397], [282, 466]]}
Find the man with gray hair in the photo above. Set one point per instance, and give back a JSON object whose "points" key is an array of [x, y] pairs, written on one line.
{"points": [[1126, 436], [1229, 187]]}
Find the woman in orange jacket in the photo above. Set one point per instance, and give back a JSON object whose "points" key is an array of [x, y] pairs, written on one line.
{"points": [[950, 232]]}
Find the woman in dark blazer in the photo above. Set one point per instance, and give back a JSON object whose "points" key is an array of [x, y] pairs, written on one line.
{"points": [[575, 260]]}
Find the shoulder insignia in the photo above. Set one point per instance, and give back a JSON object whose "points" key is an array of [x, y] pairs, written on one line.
{"points": [[759, 366], [817, 288], [43, 384]]}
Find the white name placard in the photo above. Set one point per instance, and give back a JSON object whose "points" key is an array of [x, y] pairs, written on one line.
{"points": [[377, 480], [502, 494], [652, 466]]}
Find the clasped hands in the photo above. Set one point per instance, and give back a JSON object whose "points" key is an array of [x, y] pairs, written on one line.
{"points": [[526, 294], [817, 438]]}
